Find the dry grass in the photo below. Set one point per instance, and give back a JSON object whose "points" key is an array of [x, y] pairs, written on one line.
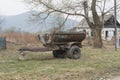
{"points": [[22, 38], [95, 64]]}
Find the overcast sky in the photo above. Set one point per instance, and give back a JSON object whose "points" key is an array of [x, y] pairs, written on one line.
{"points": [[12, 7]]}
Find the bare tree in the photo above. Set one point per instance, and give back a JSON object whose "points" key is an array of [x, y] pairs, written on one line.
{"points": [[85, 8]]}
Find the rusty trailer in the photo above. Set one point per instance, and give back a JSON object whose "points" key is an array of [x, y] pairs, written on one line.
{"points": [[63, 44]]}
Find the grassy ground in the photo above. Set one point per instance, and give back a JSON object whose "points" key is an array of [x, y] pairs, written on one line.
{"points": [[95, 64]]}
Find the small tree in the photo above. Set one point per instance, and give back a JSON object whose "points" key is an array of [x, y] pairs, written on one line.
{"points": [[85, 8], [10, 29]]}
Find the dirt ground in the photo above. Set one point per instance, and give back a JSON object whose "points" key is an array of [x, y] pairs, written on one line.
{"points": [[115, 78]]}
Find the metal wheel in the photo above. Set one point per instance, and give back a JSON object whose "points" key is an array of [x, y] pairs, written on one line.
{"points": [[74, 52], [59, 53]]}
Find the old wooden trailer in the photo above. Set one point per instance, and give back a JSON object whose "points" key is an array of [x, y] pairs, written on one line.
{"points": [[63, 44]]}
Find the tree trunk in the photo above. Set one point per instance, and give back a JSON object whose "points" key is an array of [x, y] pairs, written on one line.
{"points": [[97, 41]]}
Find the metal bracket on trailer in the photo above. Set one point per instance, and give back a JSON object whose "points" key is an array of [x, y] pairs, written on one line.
{"points": [[22, 55]]}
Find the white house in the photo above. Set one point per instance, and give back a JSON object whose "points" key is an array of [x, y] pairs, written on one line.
{"points": [[108, 30]]}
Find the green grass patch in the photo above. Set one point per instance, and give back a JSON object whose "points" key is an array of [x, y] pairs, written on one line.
{"points": [[93, 65]]}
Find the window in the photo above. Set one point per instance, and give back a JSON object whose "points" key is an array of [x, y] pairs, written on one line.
{"points": [[106, 34]]}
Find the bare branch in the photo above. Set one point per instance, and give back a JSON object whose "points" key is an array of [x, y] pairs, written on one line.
{"points": [[64, 21], [61, 11]]}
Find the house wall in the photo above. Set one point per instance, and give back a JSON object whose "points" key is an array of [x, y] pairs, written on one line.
{"points": [[107, 33]]}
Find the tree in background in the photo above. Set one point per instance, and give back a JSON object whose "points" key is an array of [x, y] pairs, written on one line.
{"points": [[11, 29], [1, 21], [84, 8]]}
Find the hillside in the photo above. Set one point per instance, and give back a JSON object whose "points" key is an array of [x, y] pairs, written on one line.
{"points": [[23, 22]]}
